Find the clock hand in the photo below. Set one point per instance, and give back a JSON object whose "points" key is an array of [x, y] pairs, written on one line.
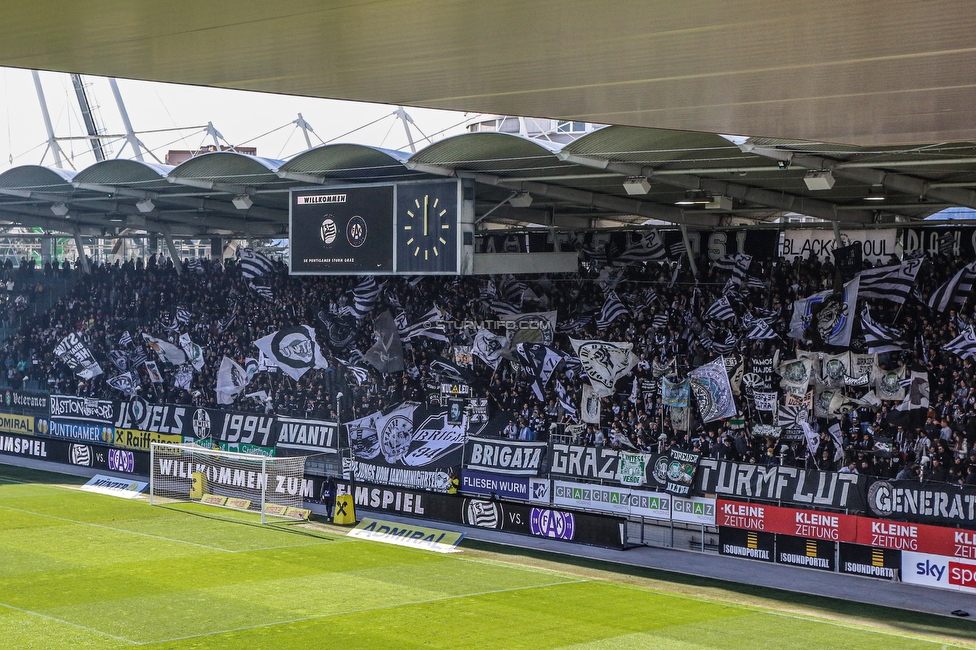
{"points": [[426, 199]]}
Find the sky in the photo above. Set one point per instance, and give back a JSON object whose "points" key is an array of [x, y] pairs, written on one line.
{"points": [[243, 118]]}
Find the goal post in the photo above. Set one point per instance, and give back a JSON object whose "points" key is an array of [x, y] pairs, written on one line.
{"points": [[270, 486]]}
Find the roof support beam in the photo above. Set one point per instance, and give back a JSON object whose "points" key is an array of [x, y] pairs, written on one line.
{"points": [[893, 181], [773, 199], [607, 202]]}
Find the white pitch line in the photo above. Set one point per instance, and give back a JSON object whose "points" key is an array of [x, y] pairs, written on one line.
{"points": [[122, 530], [360, 611], [72, 624]]}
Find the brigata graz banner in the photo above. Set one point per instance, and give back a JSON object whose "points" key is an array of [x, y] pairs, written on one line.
{"points": [[801, 487], [504, 456], [74, 453], [583, 528]]}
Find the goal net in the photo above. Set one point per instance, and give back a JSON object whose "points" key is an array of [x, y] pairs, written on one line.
{"points": [[270, 486]]}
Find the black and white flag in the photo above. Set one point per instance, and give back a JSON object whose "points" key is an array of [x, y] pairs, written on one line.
{"points": [[72, 351], [613, 308], [605, 362], [294, 350], [541, 362], [155, 376], [183, 315], [228, 320], [650, 248], [430, 325], [193, 352], [341, 331], [721, 309], [124, 383], [119, 360], [125, 340], [231, 381], [489, 348], [880, 338], [262, 290], [364, 296], [166, 351], [761, 331], [254, 264], [183, 377], [765, 401], [956, 290], [194, 265], [892, 282], [963, 345], [386, 354], [712, 390]]}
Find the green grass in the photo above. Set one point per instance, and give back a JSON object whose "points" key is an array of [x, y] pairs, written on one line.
{"points": [[82, 570]]}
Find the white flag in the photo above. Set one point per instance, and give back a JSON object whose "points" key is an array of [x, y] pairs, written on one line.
{"points": [[194, 353], [167, 352], [231, 380]]}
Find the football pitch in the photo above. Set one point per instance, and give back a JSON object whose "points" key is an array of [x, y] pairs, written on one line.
{"points": [[82, 570]]}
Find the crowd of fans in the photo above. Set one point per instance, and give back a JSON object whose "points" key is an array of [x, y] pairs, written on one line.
{"points": [[225, 312]]}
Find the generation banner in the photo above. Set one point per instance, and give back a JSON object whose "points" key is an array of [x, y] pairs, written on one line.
{"points": [[800, 487], [876, 245], [612, 499], [510, 457], [929, 502]]}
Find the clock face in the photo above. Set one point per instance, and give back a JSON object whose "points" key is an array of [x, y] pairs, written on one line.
{"points": [[427, 227]]}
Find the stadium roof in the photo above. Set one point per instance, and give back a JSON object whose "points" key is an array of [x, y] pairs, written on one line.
{"points": [[578, 186], [861, 73]]}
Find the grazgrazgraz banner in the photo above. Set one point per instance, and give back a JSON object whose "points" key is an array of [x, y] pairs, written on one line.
{"points": [[613, 499], [411, 446], [511, 457]]}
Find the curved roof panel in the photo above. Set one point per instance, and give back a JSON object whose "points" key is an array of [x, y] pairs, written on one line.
{"points": [[125, 172], [37, 178], [493, 152], [657, 147], [353, 161], [229, 167]]}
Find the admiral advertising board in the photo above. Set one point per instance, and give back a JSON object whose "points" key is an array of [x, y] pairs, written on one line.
{"points": [[750, 544], [806, 552], [526, 519], [12, 423], [869, 561], [612, 499], [504, 456]]}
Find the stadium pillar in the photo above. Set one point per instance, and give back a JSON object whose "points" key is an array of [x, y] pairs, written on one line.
{"points": [[217, 249], [691, 255], [175, 254], [81, 252]]}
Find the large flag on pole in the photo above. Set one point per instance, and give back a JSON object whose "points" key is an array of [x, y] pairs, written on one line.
{"points": [[826, 317], [892, 282], [167, 352], [386, 355], [294, 350], [231, 380], [541, 362], [194, 353], [712, 390], [72, 351], [955, 290], [605, 362]]}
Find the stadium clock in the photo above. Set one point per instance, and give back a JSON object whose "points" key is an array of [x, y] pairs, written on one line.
{"points": [[427, 227]]}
